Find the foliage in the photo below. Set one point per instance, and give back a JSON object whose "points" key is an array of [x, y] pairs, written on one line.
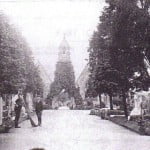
{"points": [[17, 69], [118, 47], [64, 80], [128, 40]]}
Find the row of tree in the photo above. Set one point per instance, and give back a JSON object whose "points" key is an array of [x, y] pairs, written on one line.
{"points": [[118, 48], [17, 68]]}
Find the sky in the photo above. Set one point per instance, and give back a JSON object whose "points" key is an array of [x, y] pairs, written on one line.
{"points": [[43, 23]]}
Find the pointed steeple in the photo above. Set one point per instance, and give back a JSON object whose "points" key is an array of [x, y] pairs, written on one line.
{"points": [[64, 51]]}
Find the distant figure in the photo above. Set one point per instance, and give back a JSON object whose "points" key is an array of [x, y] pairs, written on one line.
{"points": [[18, 107], [39, 109]]}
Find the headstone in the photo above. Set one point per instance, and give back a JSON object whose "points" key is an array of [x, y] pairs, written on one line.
{"points": [[29, 100], [140, 99], [137, 106], [105, 100]]}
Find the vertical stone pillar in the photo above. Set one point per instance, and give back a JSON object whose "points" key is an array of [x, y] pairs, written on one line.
{"points": [[29, 100], [1, 110]]}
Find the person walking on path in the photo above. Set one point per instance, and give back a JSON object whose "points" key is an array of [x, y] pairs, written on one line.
{"points": [[39, 109], [18, 107]]}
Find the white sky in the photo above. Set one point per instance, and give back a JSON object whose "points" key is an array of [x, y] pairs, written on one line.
{"points": [[43, 24]]}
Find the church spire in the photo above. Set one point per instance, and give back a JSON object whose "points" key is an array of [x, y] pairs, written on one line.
{"points": [[64, 51]]}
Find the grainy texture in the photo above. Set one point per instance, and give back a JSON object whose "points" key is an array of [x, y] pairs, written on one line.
{"points": [[73, 130]]}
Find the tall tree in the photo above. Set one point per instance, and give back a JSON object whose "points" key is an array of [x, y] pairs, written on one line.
{"points": [[11, 76], [123, 32], [17, 68]]}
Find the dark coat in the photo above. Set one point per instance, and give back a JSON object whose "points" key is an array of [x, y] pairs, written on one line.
{"points": [[38, 106], [18, 104]]}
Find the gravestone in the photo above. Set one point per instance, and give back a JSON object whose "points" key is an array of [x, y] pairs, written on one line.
{"points": [[141, 103]]}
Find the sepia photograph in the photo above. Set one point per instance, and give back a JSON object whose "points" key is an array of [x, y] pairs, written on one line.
{"points": [[74, 74]]}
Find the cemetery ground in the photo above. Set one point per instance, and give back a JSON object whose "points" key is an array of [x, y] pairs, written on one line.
{"points": [[72, 130], [139, 124]]}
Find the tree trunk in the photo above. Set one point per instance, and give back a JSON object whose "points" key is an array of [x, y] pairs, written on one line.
{"points": [[125, 104], [111, 102], [100, 101], [142, 3], [50, 102], [25, 96]]}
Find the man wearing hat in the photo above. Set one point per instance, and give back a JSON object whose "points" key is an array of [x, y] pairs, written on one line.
{"points": [[39, 109], [18, 107]]}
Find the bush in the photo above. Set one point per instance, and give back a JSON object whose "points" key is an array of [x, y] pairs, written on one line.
{"points": [[115, 112], [7, 124], [95, 112], [138, 117], [92, 112], [46, 107], [87, 107], [144, 124], [78, 107], [135, 118], [105, 113]]}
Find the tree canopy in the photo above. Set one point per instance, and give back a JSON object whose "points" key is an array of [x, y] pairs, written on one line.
{"points": [[119, 46], [17, 67]]}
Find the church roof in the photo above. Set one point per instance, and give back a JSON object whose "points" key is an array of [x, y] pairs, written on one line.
{"points": [[64, 51], [64, 44]]}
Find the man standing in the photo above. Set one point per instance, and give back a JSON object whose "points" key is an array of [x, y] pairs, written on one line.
{"points": [[18, 107], [39, 109]]}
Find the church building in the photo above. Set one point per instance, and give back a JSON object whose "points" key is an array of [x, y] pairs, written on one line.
{"points": [[64, 51], [64, 77]]}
